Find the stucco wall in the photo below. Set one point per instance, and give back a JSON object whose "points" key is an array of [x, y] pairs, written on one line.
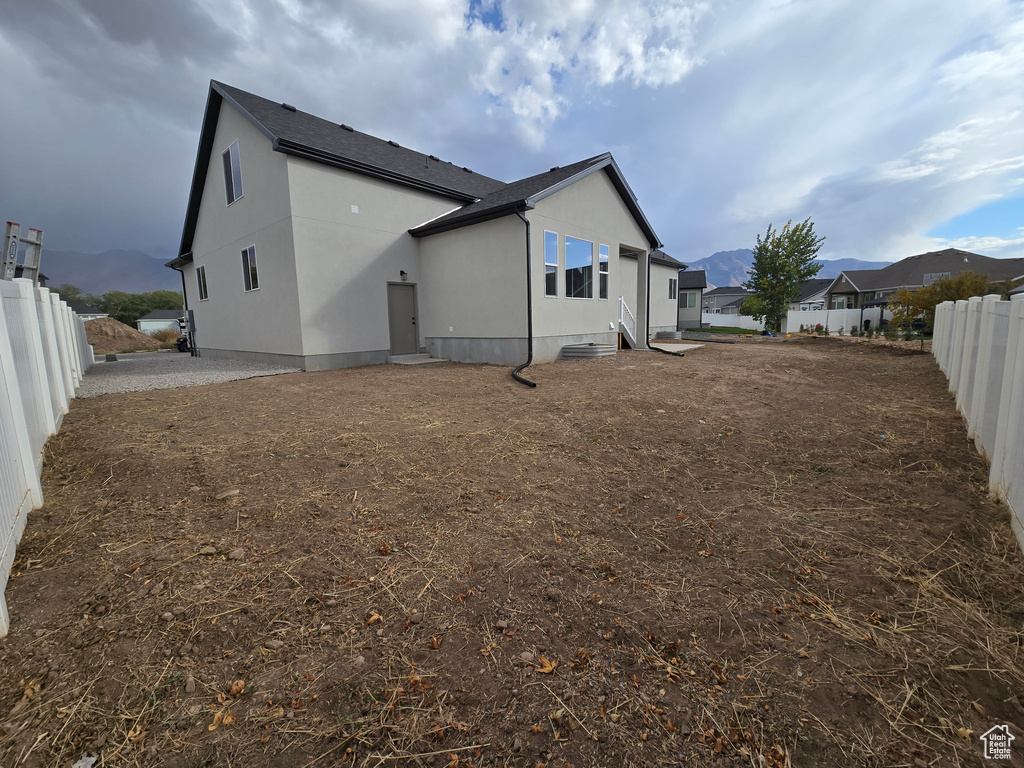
{"points": [[474, 281], [265, 320], [345, 259], [664, 310], [590, 209]]}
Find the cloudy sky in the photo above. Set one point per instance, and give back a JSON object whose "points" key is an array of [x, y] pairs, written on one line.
{"points": [[898, 125]]}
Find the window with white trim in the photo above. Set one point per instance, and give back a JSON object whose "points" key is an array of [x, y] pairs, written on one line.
{"points": [[249, 273], [579, 268], [232, 173], [673, 287], [688, 300], [550, 263], [204, 294], [602, 268]]}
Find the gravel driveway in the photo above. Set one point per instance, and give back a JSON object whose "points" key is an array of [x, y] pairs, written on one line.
{"points": [[166, 370]]}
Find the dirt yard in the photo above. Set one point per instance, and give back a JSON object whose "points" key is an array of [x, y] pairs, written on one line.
{"points": [[756, 555]]}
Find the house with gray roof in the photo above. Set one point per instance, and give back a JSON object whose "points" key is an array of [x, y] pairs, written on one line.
{"points": [[309, 243], [811, 295], [691, 297], [862, 288], [725, 300], [83, 310], [159, 320]]}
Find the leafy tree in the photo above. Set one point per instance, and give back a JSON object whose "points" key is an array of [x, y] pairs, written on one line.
{"points": [[752, 306], [907, 305], [69, 291], [782, 260], [129, 307]]}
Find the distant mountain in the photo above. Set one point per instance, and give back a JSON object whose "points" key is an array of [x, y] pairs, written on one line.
{"points": [[97, 273], [733, 267]]}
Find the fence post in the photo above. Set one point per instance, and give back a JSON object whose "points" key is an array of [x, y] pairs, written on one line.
{"points": [[62, 347], [959, 330], [49, 332], [1011, 405], [989, 371], [35, 343]]}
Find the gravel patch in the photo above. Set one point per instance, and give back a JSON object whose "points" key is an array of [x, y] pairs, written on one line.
{"points": [[167, 370]]}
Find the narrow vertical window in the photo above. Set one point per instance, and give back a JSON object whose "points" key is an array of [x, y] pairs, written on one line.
{"points": [[249, 274], [579, 268], [232, 173], [602, 259], [204, 294], [672, 287], [550, 263]]}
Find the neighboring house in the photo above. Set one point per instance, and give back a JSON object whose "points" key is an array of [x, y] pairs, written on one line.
{"points": [[309, 243], [811, 296], [725, 300], [159, 320], [857, 288], [83, 310], [691, 294], [19, 271]]}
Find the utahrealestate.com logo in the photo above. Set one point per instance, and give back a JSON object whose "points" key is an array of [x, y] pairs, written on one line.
{"points": [[997, 742]]}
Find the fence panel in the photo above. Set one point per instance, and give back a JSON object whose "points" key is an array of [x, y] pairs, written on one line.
{"points": [[985, 365], [43, 355]]}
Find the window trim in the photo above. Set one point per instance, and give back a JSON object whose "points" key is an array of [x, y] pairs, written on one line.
{"points": [[693, 294], [232, 173], [603, 271], [202, 287], [250, 269], [548, 264], [566, 268], [673, 288]]}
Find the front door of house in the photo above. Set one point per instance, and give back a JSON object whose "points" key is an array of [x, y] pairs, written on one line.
{"points": [[402, 318]]}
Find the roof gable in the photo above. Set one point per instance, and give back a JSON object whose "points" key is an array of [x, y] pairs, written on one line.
{"points": [[524, 194], [693, 278]]}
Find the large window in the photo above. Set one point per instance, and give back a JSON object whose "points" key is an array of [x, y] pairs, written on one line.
{"points": [[232, 173], [249, 273], [673, 287], [204, 294], [688, 300], [550, 263], [579, 268], [602, 268]]}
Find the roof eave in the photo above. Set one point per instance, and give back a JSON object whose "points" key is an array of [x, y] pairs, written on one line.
{"points": [[425, 230], [308, 153]]}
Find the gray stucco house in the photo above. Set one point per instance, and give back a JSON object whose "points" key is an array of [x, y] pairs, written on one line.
{"points": [[309, 243], [691, 298]]}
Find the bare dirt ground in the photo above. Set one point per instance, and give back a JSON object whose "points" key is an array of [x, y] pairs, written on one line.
{"points": [[109, 335], [756, 555]]}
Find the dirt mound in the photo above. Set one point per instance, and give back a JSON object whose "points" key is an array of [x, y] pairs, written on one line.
{"points": [[108, 335]]}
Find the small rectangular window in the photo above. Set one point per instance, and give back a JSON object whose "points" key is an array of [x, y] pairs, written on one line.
{"points": [[579, 268], [602, 268], [673, 287], [204, 294], [550, 263], [688, 300], [232, 173], [249, 274]]}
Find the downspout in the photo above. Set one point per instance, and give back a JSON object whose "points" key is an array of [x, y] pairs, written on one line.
{"points": [[647, 314], [529, 311], [184, 298]]}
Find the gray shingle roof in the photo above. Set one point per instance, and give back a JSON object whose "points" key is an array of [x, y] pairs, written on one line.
{"points": [[163, 314], [810, 287], [910, 271], [693, 278], [728, 290], [81, 308], [658, 256]]}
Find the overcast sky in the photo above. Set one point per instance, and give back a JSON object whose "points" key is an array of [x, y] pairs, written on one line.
{"points": [[896, 124]]}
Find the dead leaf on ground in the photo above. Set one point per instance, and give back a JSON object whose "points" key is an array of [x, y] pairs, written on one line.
{"points": [[237, 687], [547, 667]]}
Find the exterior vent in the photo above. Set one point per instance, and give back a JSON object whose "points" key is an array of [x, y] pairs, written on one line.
{"points": [[555, 168], [467, 170], [289, 107], [393, 143], [435, 158], [348, 128]]}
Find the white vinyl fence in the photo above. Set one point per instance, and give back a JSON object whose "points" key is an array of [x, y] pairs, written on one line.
{"points": [[43, 355], [833, 319], [979, 346]]}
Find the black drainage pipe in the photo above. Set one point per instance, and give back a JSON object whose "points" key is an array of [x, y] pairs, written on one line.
{"points": [[647, 318], [529, 311]]}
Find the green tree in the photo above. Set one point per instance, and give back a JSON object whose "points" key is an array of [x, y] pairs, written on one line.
{"points": [[69, 291], [129, 307], [752, 306], [782, 260], [907, 305]]}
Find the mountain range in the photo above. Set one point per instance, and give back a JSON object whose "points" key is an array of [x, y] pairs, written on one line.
{"points": [[117, 270], [733, 267]]}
